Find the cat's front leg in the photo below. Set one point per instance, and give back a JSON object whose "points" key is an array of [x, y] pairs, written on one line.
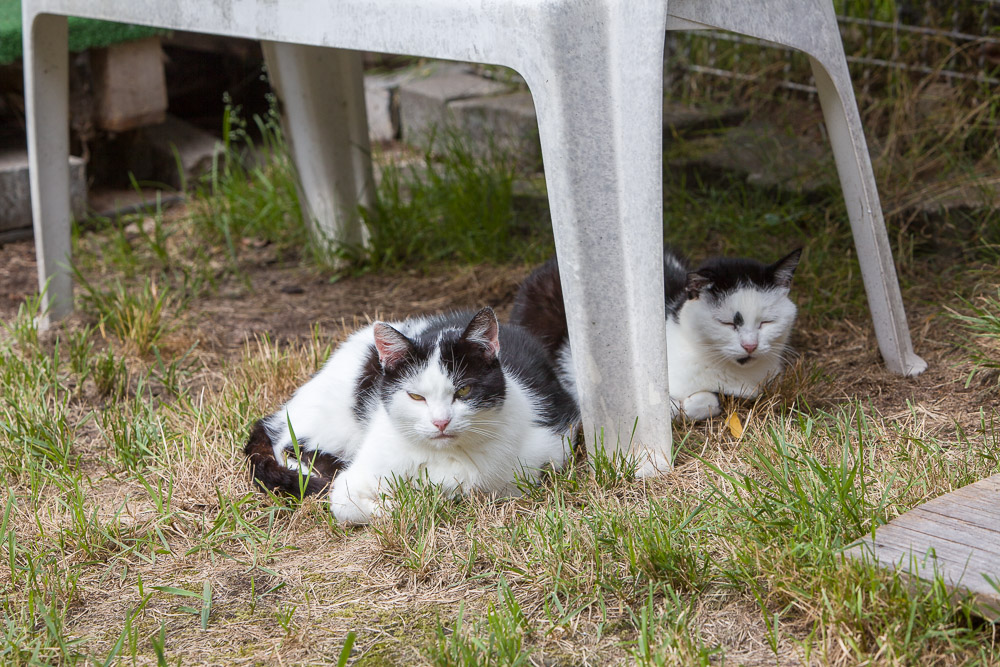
{"points": [[701, 405], [359, 492], [356, 496]]}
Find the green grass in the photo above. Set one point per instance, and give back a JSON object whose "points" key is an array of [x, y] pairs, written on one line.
{"points": [[450, 206], [981, 319], [136, 316], [131, 534], [250, 191], [593, 565]]}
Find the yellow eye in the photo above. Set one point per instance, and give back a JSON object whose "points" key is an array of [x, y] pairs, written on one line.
{"points": [[416, 397], [463, 392]]}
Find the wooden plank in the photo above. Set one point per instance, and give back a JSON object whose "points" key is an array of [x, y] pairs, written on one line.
{"points": [[955, 537], [924, 568], [968, 513], [971, 498], [950, 529], [953, 566], [927, 568]]}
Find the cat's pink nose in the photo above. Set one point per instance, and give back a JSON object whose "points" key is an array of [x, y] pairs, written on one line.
{"points": [[441, 424], [749, 347]]}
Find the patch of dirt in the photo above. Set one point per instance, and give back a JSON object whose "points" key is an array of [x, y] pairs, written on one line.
{"points": [[18, 276], [285, 302]]}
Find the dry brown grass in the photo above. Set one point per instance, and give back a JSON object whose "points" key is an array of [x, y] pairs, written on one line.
{"points": [[699, 564]]}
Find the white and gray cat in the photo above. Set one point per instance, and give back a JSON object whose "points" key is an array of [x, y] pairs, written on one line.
{"points": [[728, 324], [459, 398]]}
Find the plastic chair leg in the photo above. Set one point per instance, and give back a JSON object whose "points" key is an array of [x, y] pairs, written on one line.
{"points": [[323, 114], [811, 26], [850, 151], [601, 144], [46, 98]]}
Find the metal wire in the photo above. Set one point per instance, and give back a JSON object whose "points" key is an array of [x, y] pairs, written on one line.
{"points": [[959, 42]]}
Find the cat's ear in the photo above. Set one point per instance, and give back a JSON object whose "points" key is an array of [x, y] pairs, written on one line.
{"points": [[784, 268], [393, 347], [696, 282], [484, 330]]}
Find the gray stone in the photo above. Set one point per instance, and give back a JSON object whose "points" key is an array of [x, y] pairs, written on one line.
{"points": [[506, 123], [424, 103], [762, 154], [382, 103], [683, 118], [382, 117], [939, 197], [15, 192], [130, 86], [176, 144]]}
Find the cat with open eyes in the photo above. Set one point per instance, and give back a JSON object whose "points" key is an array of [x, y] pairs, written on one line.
{"points": [[458, 398], [728, 324]]}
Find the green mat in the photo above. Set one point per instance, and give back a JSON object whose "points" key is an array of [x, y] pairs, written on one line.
{"points": [[83, 33]]}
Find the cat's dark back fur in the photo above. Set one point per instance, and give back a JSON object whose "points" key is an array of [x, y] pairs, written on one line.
{"points": [[539, 307], [675, 278]]}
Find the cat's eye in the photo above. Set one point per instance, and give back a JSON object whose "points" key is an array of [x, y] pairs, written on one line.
{"points": [[416, 397], [463, 392], [728, 324], [767, 322]]}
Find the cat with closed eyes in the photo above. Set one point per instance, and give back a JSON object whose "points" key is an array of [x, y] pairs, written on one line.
{"points": [[458, 398], [728, 324]]}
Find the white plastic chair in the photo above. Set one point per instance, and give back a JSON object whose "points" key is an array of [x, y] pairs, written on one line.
{"points": [[594, 68]]}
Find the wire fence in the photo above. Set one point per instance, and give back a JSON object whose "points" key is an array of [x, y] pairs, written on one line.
{"points": [[886, 41]]}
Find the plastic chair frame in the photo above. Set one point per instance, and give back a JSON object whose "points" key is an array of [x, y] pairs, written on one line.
{"points": [[595, 71]]}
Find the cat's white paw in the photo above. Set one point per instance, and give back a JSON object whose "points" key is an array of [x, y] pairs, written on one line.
{"points": [[701, 405], [354, 501]]}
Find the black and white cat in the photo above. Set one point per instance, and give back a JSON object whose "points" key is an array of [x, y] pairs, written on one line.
{"points": [[427, 396], [728, 324]]}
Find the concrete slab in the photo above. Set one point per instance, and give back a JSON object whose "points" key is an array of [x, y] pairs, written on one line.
{"points": [[129, 85], [179, 151], [503, 122], [15, 192], [763, 154], [424, 102], [382, 103]]}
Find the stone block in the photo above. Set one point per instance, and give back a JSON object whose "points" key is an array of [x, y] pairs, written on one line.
{"points": [[683, 118], [130, 87], [15, 191], [424, 102], [503, 122], [382, 117], [762, 154], [176, 145], [382, 104]]}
